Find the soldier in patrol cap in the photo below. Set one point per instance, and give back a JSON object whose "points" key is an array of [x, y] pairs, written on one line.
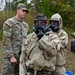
{"points": [[39, 49], [14, 31], [56, 26]]}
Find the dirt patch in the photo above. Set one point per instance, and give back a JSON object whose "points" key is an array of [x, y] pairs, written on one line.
{"points": [[70, 61]]}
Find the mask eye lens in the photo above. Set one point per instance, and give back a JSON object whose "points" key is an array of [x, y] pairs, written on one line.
{"points": [[43, 23], [36, 23], [54, 22]]}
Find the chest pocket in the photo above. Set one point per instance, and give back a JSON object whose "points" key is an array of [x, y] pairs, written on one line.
{"points": [[17, 31]]}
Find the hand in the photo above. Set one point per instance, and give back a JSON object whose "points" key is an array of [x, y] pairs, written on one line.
{"points": [[13, 60], [36, 28], [40, 34], [46, 29]]}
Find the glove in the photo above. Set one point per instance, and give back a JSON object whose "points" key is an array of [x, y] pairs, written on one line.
{"points": [[46, 29], [40, 34], [36, 28]]}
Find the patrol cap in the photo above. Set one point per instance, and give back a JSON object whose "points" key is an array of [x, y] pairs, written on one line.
{"points": [[23, 7]]}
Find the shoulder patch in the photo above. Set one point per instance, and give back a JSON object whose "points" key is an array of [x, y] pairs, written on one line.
{"points": [[8, 22]]}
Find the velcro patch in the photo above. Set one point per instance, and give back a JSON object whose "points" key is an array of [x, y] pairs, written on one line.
{"points": [[8, 23]]}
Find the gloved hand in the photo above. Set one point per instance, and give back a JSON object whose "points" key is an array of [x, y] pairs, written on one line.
{"points": [[46, 29], [36, 28], [40, 34], [39, 31]]}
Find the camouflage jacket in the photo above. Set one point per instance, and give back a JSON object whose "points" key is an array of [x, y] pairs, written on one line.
{"points": [[63, 37], [14, 32], [40, 54]]}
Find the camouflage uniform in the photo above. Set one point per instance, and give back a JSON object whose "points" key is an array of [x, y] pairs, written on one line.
{"points": [[39, 55], [14, 32], [63, 37]]}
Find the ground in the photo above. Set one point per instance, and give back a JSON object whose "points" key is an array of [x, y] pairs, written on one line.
{"points": [[70, 60]]}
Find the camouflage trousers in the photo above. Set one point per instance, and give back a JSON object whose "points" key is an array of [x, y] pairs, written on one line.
{"points": [[10, 68]]}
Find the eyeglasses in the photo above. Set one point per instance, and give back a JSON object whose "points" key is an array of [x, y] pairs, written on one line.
{"points": [[25, 11]]}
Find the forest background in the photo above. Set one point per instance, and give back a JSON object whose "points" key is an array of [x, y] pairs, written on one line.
{"points": [[66, 8]]}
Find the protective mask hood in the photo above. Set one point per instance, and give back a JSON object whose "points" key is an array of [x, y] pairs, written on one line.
{"points": [[57, 17]]}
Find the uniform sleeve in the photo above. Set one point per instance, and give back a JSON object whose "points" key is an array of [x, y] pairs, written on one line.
{"points": [[22, 68], [23, 53], [63, 39], [50, 44], [7, 34], [27, 46], [23, 56], [25, 43]]}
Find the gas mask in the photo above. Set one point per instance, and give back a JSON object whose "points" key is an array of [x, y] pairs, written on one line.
{"points": [[40, 25], [54, 25]]}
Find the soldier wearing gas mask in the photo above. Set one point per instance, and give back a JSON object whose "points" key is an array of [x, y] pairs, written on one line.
{"points": [[56, 26], [40, 26], [39, 49]]}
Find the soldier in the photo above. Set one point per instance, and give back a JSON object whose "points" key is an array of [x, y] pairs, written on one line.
{"points": [[14, 31], [56, 26], [39, 49]]}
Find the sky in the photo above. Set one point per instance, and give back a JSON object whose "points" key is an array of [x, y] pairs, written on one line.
{"points": [[29, 1], [2, 4]]}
